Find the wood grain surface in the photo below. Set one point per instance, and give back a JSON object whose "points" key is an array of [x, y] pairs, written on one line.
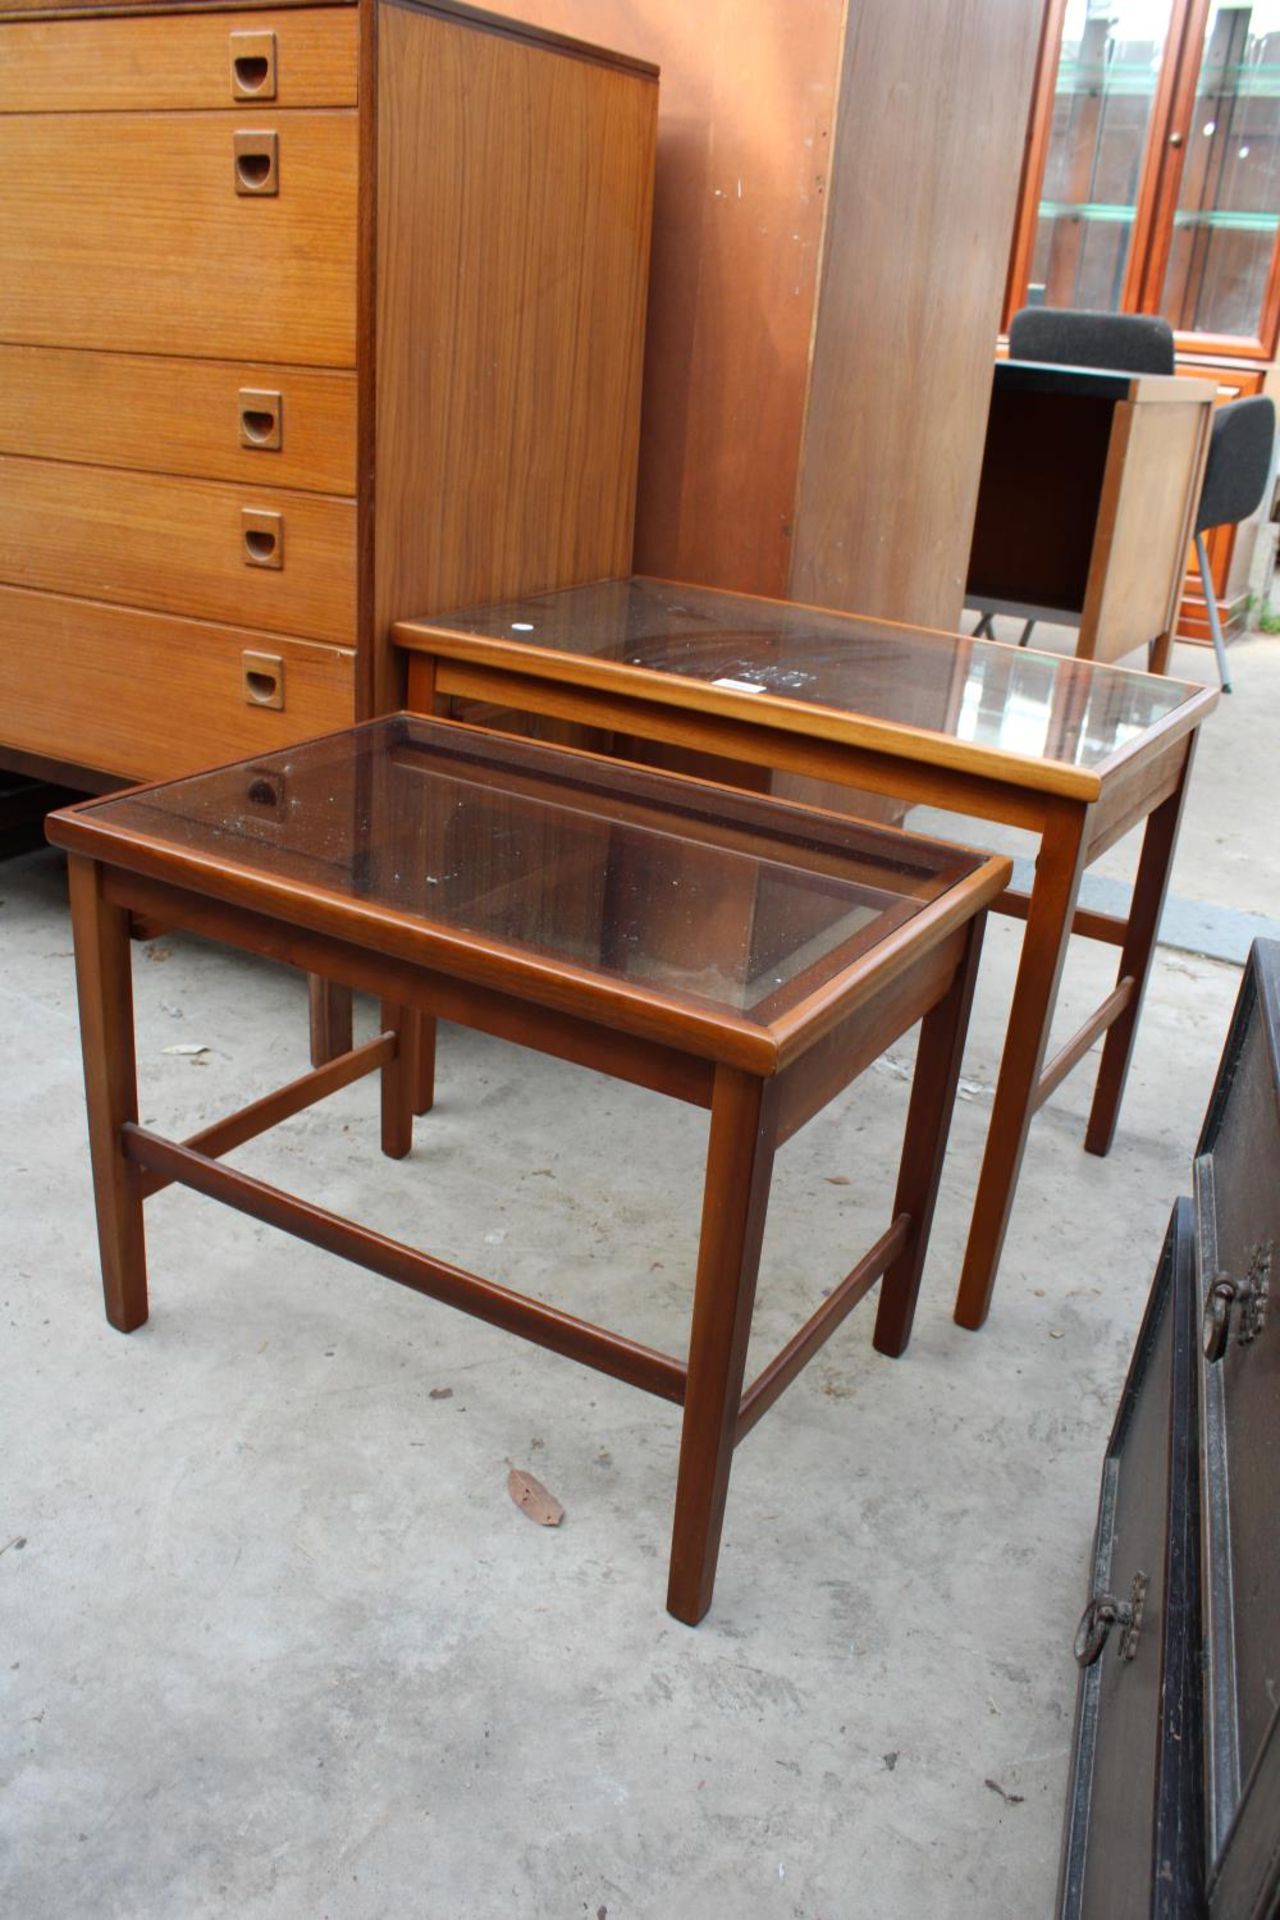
{"points": [[125, 231], [171, 60], [933, 116], [746, 111], [1145, 518], [513, 207], [145, 696], [177, 546], [168, 415]]}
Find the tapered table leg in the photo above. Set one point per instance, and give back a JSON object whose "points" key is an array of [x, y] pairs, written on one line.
{"points": [[399, 1079], [104, 982], [424, 1078], [1151, 884], [924, 1144], [735, 1199], [331, 1020], [1044, 946]]}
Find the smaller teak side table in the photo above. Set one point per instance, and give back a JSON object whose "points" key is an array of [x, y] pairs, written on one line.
{"points": [[728, 950]]}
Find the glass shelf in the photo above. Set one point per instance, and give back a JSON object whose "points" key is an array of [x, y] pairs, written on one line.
{"points": [[1223, 219], [1083, 210]]}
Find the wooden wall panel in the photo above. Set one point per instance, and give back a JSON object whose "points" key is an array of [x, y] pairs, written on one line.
{"points": [[933, 118], [746, 110]]}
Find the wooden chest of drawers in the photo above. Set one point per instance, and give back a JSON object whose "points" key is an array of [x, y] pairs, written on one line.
{"points": [[310, 317]]}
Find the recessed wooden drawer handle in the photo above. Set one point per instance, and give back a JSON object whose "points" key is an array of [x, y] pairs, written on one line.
{"points": [[262, 675], [263, 536], [253, 66], [257, 158], [261, 419]]}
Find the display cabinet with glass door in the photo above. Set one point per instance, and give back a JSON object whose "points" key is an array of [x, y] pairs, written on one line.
{"points": [[1152, 185]]}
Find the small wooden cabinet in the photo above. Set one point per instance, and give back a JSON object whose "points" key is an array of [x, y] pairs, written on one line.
{"points": [[1089, 488], [310, 317]]}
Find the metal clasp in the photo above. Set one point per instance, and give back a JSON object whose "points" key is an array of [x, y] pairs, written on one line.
{"points": [[1251, 1295], [1103, 1612]]}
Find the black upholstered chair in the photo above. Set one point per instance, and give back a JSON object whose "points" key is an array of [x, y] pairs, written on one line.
{"points": [[1070, 337], [1235, 479], [1066, 337]]}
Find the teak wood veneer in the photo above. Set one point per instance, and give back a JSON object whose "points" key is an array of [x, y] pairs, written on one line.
{"points": [[646, 661], [1087, 501], [310, 315], [504, 947]]}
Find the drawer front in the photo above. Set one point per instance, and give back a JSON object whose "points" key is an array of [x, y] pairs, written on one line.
{"points": [[209, 419], [303, 59], [128, 231], [256, 557], [147, 697]]}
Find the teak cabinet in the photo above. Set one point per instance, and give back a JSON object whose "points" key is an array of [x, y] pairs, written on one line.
{"points": [[310, 318]]}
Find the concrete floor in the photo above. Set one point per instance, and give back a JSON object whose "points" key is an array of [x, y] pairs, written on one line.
{"points": [[275, 1642]]}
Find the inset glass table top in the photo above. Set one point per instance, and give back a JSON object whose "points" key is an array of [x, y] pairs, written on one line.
{"points": [[734, 902], [1035, 706]]}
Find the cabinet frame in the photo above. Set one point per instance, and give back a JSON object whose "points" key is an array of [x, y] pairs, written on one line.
{"points": [[1159, 183]]}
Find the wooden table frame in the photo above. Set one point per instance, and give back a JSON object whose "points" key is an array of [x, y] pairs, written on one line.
{"points": [[760, 1082], [1077, 812]]}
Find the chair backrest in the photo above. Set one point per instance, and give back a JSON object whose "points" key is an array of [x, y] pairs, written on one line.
{"points": [[1120, 342], [1239, 463]]}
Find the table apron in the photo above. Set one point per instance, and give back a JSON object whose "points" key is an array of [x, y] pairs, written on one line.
{"points": [[644, 1063], [1129, 798], [836, 1060], [759, 745]]}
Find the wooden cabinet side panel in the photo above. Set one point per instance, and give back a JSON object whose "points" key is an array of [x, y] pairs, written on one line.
{"points": [[1149, 498], [929, 140], [514, 204], [746, 110]]}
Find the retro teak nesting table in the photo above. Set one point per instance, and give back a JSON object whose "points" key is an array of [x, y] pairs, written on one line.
{"points": [[733, 952]]}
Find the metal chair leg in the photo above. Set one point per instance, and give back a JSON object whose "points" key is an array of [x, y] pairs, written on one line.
{"points": [[984, 630], [1211, 605], [1026, 633]]}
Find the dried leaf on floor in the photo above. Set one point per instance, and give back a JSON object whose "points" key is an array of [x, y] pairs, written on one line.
{"points": [[532, 1498]]}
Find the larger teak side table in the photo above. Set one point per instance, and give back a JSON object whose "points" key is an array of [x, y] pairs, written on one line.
{"points": [[727, 950], [1078, 753]]}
